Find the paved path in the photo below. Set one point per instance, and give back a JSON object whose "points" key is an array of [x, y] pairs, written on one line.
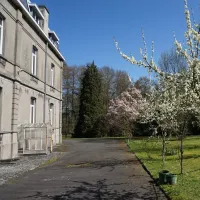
{"points": [[90, 169]]}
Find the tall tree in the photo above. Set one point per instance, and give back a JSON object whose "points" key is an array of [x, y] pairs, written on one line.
{"points": [[71, 85], [114, 83], [91, 102], [171, 62], [108, 78], [122, 82], [144, 85]]}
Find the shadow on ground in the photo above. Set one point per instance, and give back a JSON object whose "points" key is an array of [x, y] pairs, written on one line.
{"points": [[110, 163], [90, 169], [100, 190]]}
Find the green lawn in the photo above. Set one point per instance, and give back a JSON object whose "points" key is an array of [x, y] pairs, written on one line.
{"points": [[188, 186]]}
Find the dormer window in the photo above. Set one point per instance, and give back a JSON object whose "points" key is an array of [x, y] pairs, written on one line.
{"points": [[54, 38], [36, 14]]}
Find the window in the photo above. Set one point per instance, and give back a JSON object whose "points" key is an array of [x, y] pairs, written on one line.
{"points": [[34, 61], [36, 13], [1, 35], [51, 113], [33, 111], [31, 11], [37, 20], [52, 74]]}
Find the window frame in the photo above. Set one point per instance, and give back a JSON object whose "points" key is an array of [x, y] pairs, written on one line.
{"points": [[1, 106], [1, 35], [51, 113], [33, 110], [34, 58]]}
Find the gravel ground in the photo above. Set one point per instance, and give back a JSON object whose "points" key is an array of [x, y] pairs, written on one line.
{"points": [[9, 170]]}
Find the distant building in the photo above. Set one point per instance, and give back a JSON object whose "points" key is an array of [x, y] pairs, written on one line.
{"points": [[31, 68]]}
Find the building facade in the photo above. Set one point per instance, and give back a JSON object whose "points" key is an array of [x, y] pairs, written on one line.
{"points": [[31, 68]]}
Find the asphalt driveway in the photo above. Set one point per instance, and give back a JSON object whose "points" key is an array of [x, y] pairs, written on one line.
{"points": [[89, 169]]}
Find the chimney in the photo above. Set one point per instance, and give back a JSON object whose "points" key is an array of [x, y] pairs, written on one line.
{"points": [[45, 13]]}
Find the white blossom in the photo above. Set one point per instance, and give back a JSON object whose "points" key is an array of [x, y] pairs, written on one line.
{"points": [[178, 93]]}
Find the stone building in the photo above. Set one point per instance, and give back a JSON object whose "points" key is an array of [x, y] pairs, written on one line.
{"points": [[30, 73]]}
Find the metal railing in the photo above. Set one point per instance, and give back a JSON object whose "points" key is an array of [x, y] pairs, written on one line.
{"points": [[35, 138], [8, 145]]}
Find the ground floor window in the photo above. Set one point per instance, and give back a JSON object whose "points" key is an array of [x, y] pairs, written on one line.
{"points": [[51, 113], [33, 111]]}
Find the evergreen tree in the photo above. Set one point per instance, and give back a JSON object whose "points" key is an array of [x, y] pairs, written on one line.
{"points": [[91, 103]]}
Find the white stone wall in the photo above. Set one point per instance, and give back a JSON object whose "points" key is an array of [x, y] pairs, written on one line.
{"points": [[16, 81]]}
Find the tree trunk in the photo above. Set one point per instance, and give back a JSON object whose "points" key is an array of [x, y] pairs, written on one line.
{"points": [[183, 133], [163, 148], [72, 112], [181, 151], [67, 112]]}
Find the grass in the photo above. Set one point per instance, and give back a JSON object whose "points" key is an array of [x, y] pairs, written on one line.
{"points": [[12, 181], [78, 165], [48, 162], [149, 152], [64, 137], [61, 148]]}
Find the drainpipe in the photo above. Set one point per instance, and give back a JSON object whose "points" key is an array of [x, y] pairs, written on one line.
{"points": [[45, 83], [60, 104], [15, 91]]}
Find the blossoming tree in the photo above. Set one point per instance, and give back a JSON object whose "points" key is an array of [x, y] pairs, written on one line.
{"points": [[180, 92], [124, 109]]}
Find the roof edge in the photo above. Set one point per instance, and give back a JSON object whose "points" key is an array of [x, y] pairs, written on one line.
{"points": [[39, 28]]}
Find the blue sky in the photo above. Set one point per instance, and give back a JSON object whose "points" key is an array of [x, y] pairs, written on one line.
{"points": [[86, 28]]}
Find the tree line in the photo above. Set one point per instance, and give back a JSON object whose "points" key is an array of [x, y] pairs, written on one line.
{"points": [[116, 94], [85, 83]]}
